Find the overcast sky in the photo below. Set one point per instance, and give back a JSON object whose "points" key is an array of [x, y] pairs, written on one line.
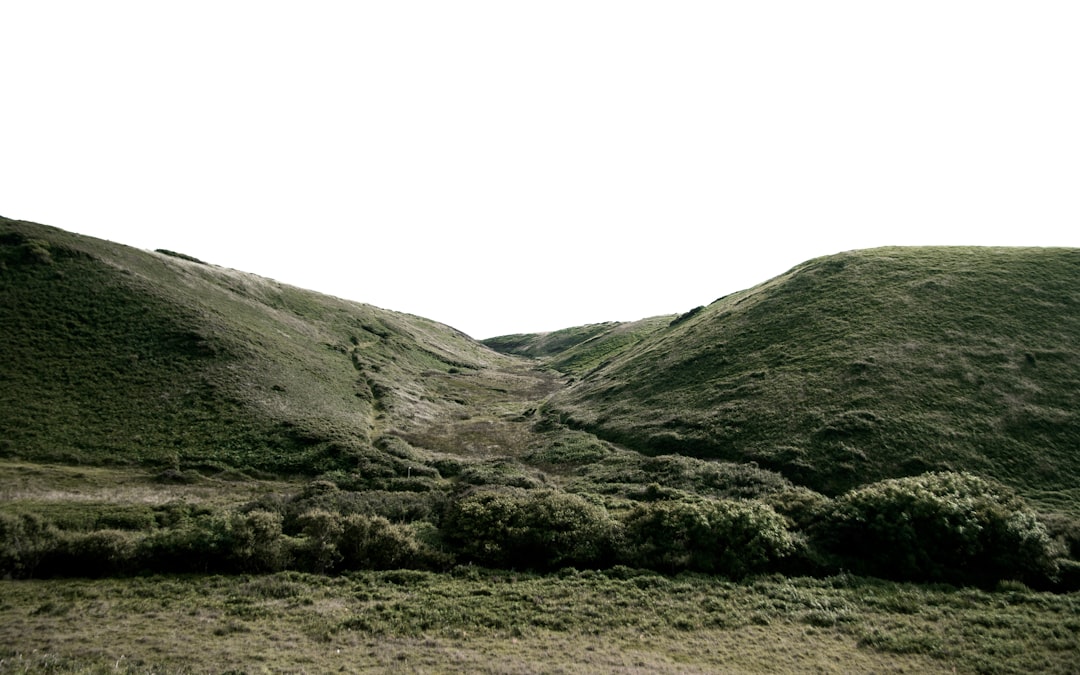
{"points": [[510, 167]]}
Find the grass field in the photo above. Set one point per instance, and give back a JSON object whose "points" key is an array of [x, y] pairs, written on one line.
{"points": [[481, 620]]}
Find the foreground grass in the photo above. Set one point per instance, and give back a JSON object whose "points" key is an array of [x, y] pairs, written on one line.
{"points": [[484, 621]]}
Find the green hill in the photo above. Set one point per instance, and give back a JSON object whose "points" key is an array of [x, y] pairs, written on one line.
{"points": [[580, 349], [114, 355], [865, 365]]}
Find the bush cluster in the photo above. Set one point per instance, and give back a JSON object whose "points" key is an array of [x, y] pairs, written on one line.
{"points": [[714, 536], [938, 527], [950, 527], [239, 542], [537, 529]]}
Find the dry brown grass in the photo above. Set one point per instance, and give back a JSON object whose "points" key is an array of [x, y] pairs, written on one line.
{"points": [[200, 625]]}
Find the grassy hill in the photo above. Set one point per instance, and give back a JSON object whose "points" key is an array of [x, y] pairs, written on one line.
{"points": [[580, 349], [115, 355], [865, 365]]}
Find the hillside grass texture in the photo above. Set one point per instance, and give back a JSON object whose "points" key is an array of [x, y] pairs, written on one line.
{"points": [[863, 366], [114, 355]]}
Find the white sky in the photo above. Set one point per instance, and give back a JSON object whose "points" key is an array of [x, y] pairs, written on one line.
{"points": [[512, 166]]}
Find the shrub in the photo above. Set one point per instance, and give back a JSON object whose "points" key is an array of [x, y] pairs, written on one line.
{"points": [[1065, 529], [714, 536], [373, 542], [498, 473], [25, 540], [255, 541], [321, 531], [951, 527], [395, 506], [802, 506], [533, 530], [196, 543], [96, 554]]}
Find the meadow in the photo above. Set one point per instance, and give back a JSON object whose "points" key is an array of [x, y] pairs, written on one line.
{"points": [[481, 620]]}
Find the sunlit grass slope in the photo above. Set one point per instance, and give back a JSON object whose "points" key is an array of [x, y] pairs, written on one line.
{"points": [[580, 349], [865, 365], [117, 355]]}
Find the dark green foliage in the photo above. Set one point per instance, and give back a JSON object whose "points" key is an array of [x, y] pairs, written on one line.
{"points": [[801, 506], [683, 317], [397, 506], [202, 544], [373, 542], [714, 536], [530, 530], [1065, 529], [938, 527], [256, 543], [25, 540], [87, 517], [567, 448], [321, 532], [509, 474], [95, 554]]}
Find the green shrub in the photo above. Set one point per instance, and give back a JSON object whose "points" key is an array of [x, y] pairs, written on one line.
{"points": [[509, 474], [625, 471], [96, 554], [196, 543], [533, 530], [255, 541], [373, 542], [714, 536], [1065, 529], [321, 531], [801, 506], [25, 540], [568, 448], [394, 505], [951, 527]]}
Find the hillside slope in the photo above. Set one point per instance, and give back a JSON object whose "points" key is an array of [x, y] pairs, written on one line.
{"points": [[580, 349], [116, 355], [846, 370], [864, 365]]}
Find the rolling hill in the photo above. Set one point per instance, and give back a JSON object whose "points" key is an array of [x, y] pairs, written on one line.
{"points": [[114, 355], [845, 370], [861, 366]]}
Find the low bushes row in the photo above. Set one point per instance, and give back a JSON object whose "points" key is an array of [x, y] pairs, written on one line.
{"points": [[240, 542], [941, 527]]}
